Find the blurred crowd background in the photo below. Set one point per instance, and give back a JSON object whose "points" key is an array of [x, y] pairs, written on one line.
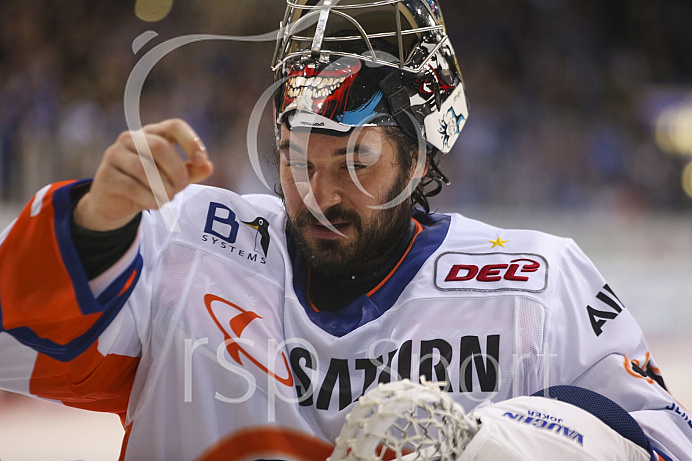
{"points": [[579, 108], [564, 94]]}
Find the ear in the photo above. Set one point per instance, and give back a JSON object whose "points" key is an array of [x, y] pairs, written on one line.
{"points": [[420, 174]]}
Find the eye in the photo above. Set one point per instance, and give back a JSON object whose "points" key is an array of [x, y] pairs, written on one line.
{"points": [[362, 158], [357, 166], [296, 164]]}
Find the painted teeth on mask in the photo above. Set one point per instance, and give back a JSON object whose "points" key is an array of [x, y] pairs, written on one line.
{"points": [[315, 86]]}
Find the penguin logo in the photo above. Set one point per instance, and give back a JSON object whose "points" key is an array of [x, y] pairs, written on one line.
{"points": [[262, 227]]}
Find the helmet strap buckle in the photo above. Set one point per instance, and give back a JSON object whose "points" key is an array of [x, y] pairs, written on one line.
{"points": [[399, 103]]}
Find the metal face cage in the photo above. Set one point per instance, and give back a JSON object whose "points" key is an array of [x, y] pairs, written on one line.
{"points": [[403, 34]]}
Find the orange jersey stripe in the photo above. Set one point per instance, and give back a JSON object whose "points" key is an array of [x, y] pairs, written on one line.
{"points": [[45, 300], [419, 229], [90, 381], [38, 287], [266, 441], [126, 438]]}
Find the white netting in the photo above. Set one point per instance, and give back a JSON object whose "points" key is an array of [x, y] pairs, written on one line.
{"points": [[404, 421]]}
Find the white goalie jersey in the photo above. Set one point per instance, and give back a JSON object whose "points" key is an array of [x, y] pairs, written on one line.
{"points": [[204, 339]]}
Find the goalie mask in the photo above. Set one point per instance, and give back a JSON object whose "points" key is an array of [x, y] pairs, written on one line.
{"points": [[341, 64]]}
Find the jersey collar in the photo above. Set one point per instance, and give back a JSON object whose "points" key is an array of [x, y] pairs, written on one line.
{"points": [[431, 231]]}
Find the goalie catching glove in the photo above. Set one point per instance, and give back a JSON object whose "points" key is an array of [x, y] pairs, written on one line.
{"points": [[407, 421]]}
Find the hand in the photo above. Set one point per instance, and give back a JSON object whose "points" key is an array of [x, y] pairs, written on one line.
{"points": [[120, 188]]}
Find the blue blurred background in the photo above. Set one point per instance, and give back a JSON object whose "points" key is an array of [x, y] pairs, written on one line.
{"points": [[565, 94]]}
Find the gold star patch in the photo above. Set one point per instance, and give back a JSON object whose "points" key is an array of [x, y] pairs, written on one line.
{"points": [[498, 242]]}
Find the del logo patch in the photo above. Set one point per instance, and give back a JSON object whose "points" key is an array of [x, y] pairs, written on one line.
{"points": [[491, 272]]}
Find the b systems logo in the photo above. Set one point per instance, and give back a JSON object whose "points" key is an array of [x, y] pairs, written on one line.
{"points": [[221, 223], [233, 320], [491, 272], [222, 229]]}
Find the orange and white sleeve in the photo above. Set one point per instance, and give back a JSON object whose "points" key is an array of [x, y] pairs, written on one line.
{"points": [[54, 342]]}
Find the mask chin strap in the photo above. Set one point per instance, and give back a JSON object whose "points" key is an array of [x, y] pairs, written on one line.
{"points": [[399, 103], [437, 176], [321, 27]]}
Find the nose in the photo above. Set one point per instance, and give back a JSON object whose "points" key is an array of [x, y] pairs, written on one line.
{"points": [[325, 191]]}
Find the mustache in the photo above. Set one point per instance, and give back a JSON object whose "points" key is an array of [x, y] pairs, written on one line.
{"points": [[336, 213]]}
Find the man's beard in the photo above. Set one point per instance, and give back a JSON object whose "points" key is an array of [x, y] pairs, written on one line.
{"points": [[354, 255]]}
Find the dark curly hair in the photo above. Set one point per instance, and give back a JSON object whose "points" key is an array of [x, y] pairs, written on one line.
{"points": [[407, 148]]}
